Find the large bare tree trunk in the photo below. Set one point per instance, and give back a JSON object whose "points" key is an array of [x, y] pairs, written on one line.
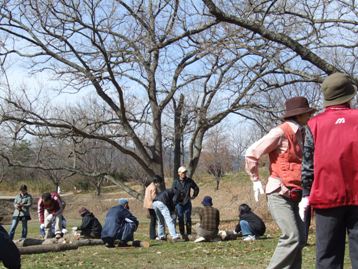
{"points": [[178, 133]]}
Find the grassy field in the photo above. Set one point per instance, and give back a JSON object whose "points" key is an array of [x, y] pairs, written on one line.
{"points": [[228, 254], [234, 190]]}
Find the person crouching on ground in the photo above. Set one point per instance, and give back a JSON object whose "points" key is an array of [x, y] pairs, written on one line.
{"points": [[119, 224], [90, 226], [208, 227], [250, 225], [50, 208]]}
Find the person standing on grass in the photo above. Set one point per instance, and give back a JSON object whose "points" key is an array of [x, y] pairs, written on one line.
{"points": [[330, 173], [284, 145], [208, 227], [182, 188], [119, 224], [22, 204], [250, 225], [50, 208], [150, 194], [163, 205]]}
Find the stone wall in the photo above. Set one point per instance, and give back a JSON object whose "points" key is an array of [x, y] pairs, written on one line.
{"points": [[6, 210]]}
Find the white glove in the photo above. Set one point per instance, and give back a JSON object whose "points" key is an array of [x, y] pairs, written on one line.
{"points": [[42, 226], [257, 187], [49, 218], [302, 207]]}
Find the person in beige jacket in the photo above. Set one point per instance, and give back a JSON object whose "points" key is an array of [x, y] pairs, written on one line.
{"points": [[150, 194]]}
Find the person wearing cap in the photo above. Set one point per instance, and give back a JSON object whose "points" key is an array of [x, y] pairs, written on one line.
{"points": [[163, 205], [250, 225], [119, 224], [182, 188], [150, 193], [22, 204], [208, 227], [330, 173], [284, 146], [90, 226]]}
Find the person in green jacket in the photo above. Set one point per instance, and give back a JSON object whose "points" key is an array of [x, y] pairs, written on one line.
{"points": [[22, 204]]}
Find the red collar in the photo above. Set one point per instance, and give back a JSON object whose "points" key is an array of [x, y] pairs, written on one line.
{"points": [[337, 107]]}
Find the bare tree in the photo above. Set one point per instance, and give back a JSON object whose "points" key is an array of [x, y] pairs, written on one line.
{"points": [[317, 32], [217, 158], [142, 60]]}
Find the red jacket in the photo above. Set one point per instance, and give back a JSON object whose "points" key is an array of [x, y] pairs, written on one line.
{"points": [[55, 207], [287, 165], [335, 160]]}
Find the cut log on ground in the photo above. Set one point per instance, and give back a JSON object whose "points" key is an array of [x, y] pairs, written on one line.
{"points": [[28, 242], [89, 242], [47, 248], [35, 246]]}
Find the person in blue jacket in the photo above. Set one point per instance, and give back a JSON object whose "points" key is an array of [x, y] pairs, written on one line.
{"points": [[119, 224]]}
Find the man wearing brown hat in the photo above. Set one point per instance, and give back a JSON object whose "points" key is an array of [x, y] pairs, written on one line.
{"points": [[284, 145], [330, 173]]}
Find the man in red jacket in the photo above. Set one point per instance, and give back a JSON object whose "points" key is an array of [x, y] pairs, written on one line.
{"points": [[49, 208], [330, 173]]}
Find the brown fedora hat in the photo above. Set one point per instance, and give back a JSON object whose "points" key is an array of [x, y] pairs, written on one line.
{"points": [[297, 106]]}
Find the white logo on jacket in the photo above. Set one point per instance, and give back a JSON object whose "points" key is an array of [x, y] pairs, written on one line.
{"points": [[340, 121]]}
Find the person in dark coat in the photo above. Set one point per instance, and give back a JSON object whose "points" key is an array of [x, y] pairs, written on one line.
{"points": [[90, 226], [250, 225], [183, 187], [119, 224], [9, 254]]}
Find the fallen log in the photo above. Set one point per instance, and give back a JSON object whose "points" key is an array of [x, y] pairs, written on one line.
{"points": [[47, 248], [35, 246], [89, 242], [28, 242]]}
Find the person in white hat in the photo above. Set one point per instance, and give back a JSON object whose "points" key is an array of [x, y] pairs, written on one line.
{"points": [[182, 188]]}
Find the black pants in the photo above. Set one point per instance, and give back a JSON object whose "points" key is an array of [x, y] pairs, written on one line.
{"points": [[331, 227], [307, 222], [9, 254], [152, 224]]}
